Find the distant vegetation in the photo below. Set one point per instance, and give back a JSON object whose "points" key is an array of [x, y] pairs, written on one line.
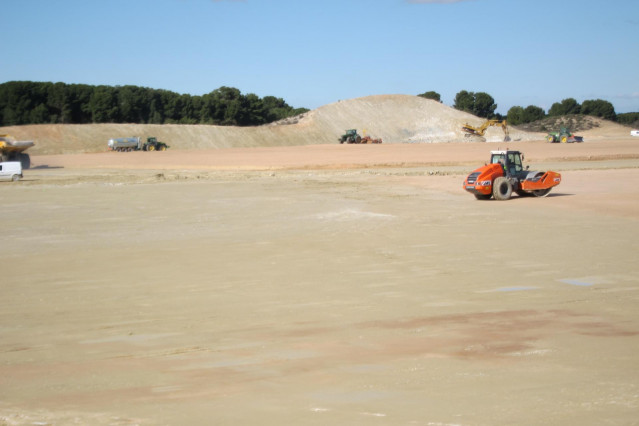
{"points": [[594, 107], [26, 102], [518, 115], [480, 104], [629, 119], [574, 122], [432, 95], [483, 105]]}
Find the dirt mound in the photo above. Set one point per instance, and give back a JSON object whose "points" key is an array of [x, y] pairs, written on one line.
{"points": [[588, 126], [394, 118], [574, 122], [404, 119]]}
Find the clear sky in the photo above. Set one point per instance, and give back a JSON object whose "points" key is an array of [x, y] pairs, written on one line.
{"points": [[316, 52]]}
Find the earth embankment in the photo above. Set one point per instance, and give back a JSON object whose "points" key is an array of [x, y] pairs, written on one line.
{"points": [[394, 118]]}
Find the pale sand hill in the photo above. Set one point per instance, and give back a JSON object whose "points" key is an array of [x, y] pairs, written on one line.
{"points": [[605, 130], [394, 118]]}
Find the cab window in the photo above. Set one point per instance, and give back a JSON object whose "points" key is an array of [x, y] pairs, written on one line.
{"points": [[515, 162]]}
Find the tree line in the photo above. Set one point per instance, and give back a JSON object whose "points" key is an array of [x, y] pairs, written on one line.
{"points": [[483, 105], [27, 102]]}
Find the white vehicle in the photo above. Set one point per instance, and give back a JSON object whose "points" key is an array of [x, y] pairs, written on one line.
{"points": [[11, 170], [634, 133]]}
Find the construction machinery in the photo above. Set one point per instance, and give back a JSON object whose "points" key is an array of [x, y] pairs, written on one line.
{"points": [[479, 131], [368, 139], [351, 136], [13, 150], [124, 144], [136, 144], [564, 135], [506, 174], [152, 144]]}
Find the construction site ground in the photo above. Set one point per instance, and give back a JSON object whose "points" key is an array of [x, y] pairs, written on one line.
{"points": [[323, 284]]}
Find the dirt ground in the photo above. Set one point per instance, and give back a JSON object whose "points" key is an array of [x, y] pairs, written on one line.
{"points": [[320, 285]]}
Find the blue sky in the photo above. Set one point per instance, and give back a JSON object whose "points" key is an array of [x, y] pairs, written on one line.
{"points": [[316, 52]]}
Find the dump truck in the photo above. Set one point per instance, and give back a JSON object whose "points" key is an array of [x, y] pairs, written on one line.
{"points": [[506, 174], [564, 135], [13, 150], [136, 144]]}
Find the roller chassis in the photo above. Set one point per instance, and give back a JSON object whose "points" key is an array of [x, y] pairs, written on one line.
{"points": [[505, 174]]}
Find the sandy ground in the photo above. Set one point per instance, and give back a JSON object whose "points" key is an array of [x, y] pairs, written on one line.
{"points": [[338, 156], [320, 285]]}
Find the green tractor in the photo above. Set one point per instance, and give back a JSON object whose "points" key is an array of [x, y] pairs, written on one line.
{"points": [[564, 136], [152, 144], [350, 136]]}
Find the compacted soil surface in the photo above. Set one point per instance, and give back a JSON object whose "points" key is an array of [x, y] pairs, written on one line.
{"points": [[320, 285]]}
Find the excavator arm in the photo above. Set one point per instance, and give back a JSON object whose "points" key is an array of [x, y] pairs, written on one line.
{"points": [[479, 131]]}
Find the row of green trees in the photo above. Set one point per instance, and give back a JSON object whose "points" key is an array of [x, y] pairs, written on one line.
{"points": [[480, 104], [26, 102], [629, 118], [595, 107], [483, 105]]}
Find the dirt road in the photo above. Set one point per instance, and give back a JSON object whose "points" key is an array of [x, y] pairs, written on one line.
{"points": [[331, 294], [337, 156]]}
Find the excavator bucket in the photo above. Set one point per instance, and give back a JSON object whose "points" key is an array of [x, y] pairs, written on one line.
{"points": [[469, 129]]}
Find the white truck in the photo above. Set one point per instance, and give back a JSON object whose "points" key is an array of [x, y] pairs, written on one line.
{"points": [[634, 133], [11, 170]]}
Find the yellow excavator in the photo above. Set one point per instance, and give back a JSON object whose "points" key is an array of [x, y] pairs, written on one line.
{"points": [[479, 131], [12, 150]]}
